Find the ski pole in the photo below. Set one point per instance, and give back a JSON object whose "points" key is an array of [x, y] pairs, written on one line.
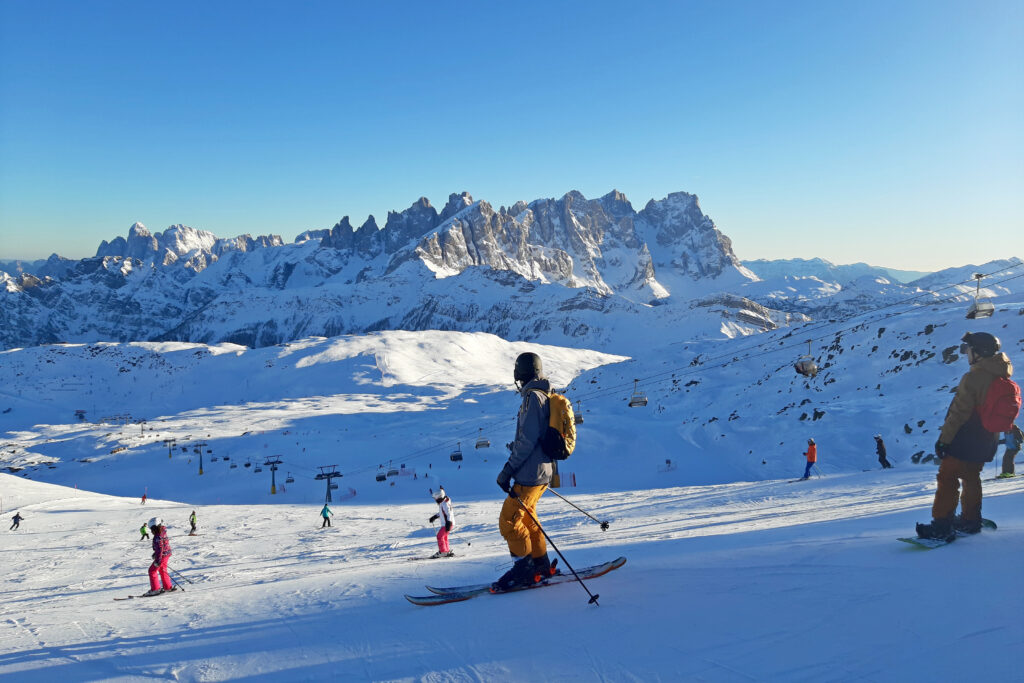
{"points": [[817, 471], [604, 525], [179, 575], [593, 598]]}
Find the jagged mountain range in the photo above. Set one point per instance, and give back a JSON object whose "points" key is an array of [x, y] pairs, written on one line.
{"points": [[572, 271]]}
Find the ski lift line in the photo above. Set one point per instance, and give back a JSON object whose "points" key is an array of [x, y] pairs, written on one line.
{"points": [[776, 348]]}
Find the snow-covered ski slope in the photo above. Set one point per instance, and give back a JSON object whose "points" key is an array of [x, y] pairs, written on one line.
{"points": [[735, 582], [734, 572]]}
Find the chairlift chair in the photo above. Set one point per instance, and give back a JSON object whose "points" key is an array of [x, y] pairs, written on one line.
{"points": [[234, 465], [805, 365], [577, 417], [213, 459], [290, 479], [392, 472], [481, 441], [982, 307], [381, 476], [639, 398], [257, 469], [456, 455]]}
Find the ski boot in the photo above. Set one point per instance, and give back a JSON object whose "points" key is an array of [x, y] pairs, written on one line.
{"points": [[150, 593], [521, 574], [967, 526], [542, 568], [939, 529]]}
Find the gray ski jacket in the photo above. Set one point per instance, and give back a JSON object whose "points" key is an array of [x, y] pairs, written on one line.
{"points": [[528, 464]]}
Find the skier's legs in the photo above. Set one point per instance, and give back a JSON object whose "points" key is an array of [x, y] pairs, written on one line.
{"points": [[154, 577], [165, 577], [1008, 458], [324, 523], [970, 498], [442, 540], [947, 493], [523, 535], [807, 470], [328, 521]]}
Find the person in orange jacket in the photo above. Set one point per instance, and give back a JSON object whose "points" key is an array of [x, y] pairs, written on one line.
{"points": [[812, 457]]}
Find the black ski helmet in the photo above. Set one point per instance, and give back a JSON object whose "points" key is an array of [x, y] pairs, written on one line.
{"points": [[528, 368], [983, 344]]}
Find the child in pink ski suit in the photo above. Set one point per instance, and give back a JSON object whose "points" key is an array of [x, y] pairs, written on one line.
{"points": [[159, 579], [447, 521]]}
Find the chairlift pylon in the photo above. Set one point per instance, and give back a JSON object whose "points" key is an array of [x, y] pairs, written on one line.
{"points": [[639, 398], [982, 307], [805, 365]]}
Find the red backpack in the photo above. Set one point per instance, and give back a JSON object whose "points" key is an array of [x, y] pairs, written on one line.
{"points": [[1001, 405]]}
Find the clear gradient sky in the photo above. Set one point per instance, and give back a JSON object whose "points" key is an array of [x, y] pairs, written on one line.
{"points": [[877, 131]]}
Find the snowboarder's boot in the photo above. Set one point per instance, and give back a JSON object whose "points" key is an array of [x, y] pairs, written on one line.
{"points": [[542, 568], [967, 526], [940, 529], [521, 574]]}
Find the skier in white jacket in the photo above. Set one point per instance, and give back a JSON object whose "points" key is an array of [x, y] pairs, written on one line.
{"points": [[444, 513]]}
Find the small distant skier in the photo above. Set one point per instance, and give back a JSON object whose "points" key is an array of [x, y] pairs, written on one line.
{"points": [[444, 513], [530, 467], [880, 449], [17, 521], [1013, 440], [159, 579], [964, 445], [192, 521], [143, 498], [326, 514], [144, 530], [812, 457]]}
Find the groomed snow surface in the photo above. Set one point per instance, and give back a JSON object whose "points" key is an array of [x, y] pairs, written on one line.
{"points": [[747, 581]]}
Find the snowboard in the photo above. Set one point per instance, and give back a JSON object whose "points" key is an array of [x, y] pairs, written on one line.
{"points": [[442, 596], [932, 543]]}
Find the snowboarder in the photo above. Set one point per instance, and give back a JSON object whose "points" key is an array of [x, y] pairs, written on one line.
{"points": [[192, 521], [144, 530], [880, 449], [812, 457], [531, 469], [326, 514], [159, 579], [964, 445], [1012, 439], [444, 505], [17, 521]]}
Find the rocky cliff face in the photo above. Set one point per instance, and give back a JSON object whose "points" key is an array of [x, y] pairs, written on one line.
{"points": [[558, 270]]}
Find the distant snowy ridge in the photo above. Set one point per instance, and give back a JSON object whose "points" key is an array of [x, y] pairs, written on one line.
{"points": [[550, 270]]}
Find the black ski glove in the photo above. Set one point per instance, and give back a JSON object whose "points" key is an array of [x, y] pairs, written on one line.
{"points": [[941, 450], [432, 519], [505, 479], [447, 526]]}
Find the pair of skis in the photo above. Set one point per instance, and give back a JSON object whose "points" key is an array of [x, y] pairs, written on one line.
{"points": [[443, 596]]}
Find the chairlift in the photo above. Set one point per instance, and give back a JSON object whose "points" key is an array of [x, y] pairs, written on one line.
{"points": [[257, 469], [392, 472], [226, 457], [334, 487], [577, 417], [213, 459], [639, 398], [248, 464], [381, 475], [234, 465], [456, 455], [982, 307], [805, 365], [482, 442], [289, 479]]}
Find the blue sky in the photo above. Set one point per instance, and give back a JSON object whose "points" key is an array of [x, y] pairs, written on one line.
{"points": [[891, 133]]}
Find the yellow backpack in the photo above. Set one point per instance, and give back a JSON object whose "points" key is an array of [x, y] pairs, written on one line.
{"points": [[559, 440]]}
